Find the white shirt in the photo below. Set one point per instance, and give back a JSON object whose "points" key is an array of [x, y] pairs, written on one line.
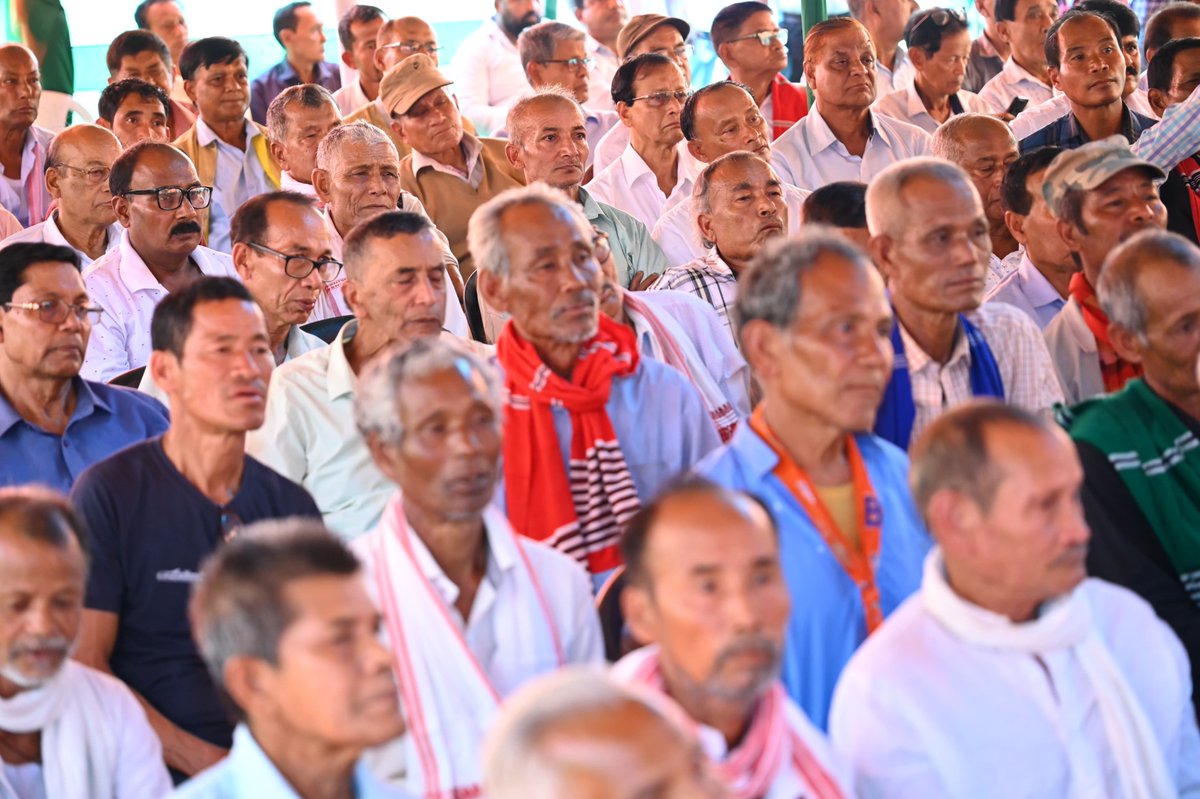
{"points": [[289, 183], [120, 282], [14, 195], [1028, 290], [610, 146], [600, 76], [1011, 82], [808, 155], [239, 177], [679, 238], [900, 76], [630, 185], [1016, 343], [350, 98], [906, 105], [998, 269], [488, 76], [49, 233], [919, 712], [1075, 353]]}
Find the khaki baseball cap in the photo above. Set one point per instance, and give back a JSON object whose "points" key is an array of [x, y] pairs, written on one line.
{"points": [[1086, 167], [640, 27], [409, 81]]}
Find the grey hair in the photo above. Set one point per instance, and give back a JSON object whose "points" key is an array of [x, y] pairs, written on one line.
{"points": [[484, 240], [770, 289], [702, 190], [538, 42], [375, 409], [950, 141], [306, 95], [516, 763], [885, 203], [358, 132], [519, 126], [1117, 287]]}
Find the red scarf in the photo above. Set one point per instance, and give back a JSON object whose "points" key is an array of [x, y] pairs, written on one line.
{"points": [[1116, 372], [583, 514], [788, 106]]}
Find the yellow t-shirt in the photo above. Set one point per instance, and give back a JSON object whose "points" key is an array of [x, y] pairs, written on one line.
{"points": [[839, 501]]}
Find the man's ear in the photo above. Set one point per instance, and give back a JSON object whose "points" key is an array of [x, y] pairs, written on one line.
{"points": [[348, 59], [322, 185], [881, 248], [704, 222], [761, 342], [398, 129], [120, 207], [241, 261], [1158, 100], [918, 56], [164, 368], [1016, 225], [1069, 234], [277, 153], [494, 290], [1004, 29], [637, 608], [248, 682], [52, 177], [513, 153], [623, 111], [352, 294], [1053, 73], [696, 151], [533, 73], [189, 88], [1129, 345]]}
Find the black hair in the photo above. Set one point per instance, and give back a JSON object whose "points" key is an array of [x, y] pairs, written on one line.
{"points": [[15, 260], [1054, 51], [132, 43], [43, 515], [1122, 15], [286, 18], [141, 14], [924, 32], [120, 179], [1014, 196], [114, 95], [249, 222], [842, 203], [1005, 10], [1159, 26], [727, 21], [1161, 69], [174, 316], [209, 52], [627, 73], [357, 15]]}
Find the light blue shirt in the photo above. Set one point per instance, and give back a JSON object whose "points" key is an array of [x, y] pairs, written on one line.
{"points": [[248, 772], [1028, 289], [828, 621]]}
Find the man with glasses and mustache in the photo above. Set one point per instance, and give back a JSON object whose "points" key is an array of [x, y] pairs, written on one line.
{"points": [[754, 49], [487, 65], [66, 730], [706, 593], [157, 510], [158, 200], [53, 424], [78, 163], [655, 171]]}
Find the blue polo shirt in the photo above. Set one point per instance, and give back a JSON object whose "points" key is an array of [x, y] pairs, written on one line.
{"points": [[106, 419], [150, 531], [828, 621]]}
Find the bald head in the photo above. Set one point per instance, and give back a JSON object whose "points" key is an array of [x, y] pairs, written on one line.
{"points": [[20, 87], [84, 140], [78, 164], [985, 147]]}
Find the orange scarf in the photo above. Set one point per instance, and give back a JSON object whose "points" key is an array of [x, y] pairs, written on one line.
{"points": [[859, 563], [1116, 372]]}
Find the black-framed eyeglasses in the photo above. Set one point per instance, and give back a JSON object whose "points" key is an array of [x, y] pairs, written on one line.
{"points": [[93, 174], [660, 99], [941, 18], [572, 63], [428, 48], [54, 312], [298, 266], [171, 197], [766, 38], [231, 524]]}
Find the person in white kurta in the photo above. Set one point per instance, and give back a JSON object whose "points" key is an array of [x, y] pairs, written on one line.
{"points": [[1011, 673], [471, 609], [715, 642], [487, 69]]}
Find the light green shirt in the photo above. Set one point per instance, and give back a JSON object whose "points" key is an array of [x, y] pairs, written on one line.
{"points": [[632, 247]]}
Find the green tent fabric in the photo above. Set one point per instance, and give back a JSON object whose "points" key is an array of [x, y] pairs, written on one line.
{"points": [[44, 23]]}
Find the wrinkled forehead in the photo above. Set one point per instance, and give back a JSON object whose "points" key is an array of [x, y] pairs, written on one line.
{"points": [[849, 41], [405, 30], [351, 155]]}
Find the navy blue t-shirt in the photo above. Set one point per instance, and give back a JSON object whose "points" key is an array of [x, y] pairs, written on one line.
{"points": [[150, 531]]}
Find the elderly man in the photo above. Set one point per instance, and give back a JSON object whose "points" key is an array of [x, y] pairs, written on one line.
{"points": [[357, 176], [841, 205], [555, 54], [143, 55], [655, 171], [738, 206], [717, 659], [841, 138], [578, 733], [53, 424], [575, 383], [546, 145], [488, 67], [929, 237], [299, 31], [853, 544], [753, 48], [984, 147], [1101, 194], [396, 286], [1087, 65], [718, 119], [265, 610], [135, 111], [449, 171], [448, 570], [78, 163], [22, 144], [65, 730], [1039, 285], [1173, 75], [297, 121], [938, 44], [1022, 25], [230, 152], [1011, 673], [1142, 517], [602, 21], [885, 21], [155, 511], [357, 32], [158, 199]]}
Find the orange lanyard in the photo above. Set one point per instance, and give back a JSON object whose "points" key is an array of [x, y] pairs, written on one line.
{"points": [[859, 564]]}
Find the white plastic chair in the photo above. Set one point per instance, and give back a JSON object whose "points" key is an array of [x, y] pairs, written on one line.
{"points": [[53, 110]]}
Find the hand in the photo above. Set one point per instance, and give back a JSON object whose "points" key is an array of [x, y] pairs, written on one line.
{"points": [[1004, 117], [641, 282]]}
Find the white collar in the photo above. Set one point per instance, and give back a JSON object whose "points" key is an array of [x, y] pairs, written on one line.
{"points": [[820, 136], [206, 136], [1017, 73]]}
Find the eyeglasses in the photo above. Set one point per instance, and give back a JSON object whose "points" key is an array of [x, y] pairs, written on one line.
{"points": [[766, 38], [572, 63], [429, 48], [231, 524], [299, 267], [682, 52], [941, 18], [171, 197], [55, 312], [93, 174], [660, 99]]}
